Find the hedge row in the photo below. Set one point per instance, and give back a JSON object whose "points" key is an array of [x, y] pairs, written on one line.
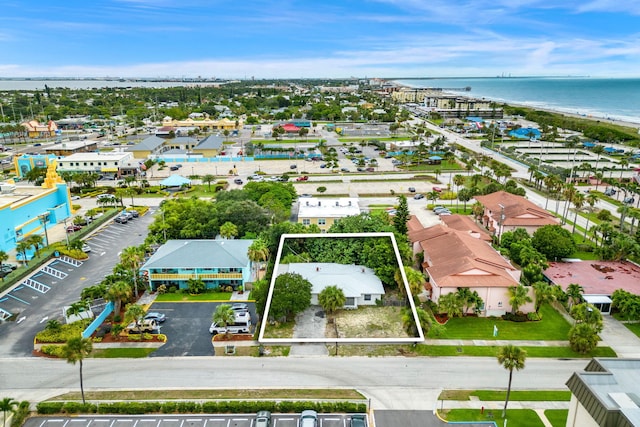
{"points": [[188, 407]]}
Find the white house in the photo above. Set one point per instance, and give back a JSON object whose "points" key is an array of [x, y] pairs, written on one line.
{"points": [[360, 284]]}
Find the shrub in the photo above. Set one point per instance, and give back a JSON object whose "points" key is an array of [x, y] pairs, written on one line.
{"points": [[604, 215], [20, 414], [48, 408], [63, 334]]}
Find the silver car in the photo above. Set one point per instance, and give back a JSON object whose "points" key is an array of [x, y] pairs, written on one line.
{"points": [[263, 419], [309, 418]]}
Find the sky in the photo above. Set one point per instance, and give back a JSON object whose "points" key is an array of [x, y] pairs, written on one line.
{"points": [[322, 38]]}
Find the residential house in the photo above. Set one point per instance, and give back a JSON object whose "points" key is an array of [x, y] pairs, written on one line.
{"points": [[605, 394], [505, 212], [455, 259], [325, 212], [218, 263], [359, 284]]}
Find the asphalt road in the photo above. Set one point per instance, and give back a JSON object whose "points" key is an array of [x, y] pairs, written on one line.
{"points": [[390, 382]]}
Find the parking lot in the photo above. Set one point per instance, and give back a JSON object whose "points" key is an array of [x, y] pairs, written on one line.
{"points": [[193, 420], [42, 296], [187, 328]]}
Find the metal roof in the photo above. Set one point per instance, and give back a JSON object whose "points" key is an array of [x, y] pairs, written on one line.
{"points": [[200, 254]]}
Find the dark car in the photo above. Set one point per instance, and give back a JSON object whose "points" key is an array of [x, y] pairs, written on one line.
{"points": [[418, 196], [358, 420], [293, 167], [135, 213], [237, 181], [412, 189], [174, 168], [121, 219], [72, 228]]}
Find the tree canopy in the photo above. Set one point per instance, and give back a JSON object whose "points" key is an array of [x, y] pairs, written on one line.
{"points": [[553, 241], [291, 295]]}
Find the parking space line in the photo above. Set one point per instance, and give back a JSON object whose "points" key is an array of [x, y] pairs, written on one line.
{"points": [[16, 298]]}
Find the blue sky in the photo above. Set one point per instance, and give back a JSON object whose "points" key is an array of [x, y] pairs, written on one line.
{"points": [[335, 38]]}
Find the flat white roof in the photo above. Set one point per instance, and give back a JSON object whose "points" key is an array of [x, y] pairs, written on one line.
{"points": [[312, 207], [71, 145], [597, 299], [100, 156]]}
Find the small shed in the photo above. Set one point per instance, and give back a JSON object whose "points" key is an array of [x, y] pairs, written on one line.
{"points": [[175, 181]]}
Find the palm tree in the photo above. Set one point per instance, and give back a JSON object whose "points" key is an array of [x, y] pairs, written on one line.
{"points": [[568, 193], [597, 150], [544, 292], [131, 258], [415, 280], [518, 296], [331, 299], [450, 303], [135, 312], [118, 292], [7, 405], [228, 230], [578, 202], [22, 248], [3, 256], [224, 316], [591, 200], [208, 179], [574, 292], [258, 252], [76, 350], [35, 241], [511, 357]]}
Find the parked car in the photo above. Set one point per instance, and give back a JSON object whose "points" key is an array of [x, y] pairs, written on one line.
{"points": [[302, 178], [146, 325], [358, 420], [174, 168], [304, 196], [418, 196], [134, 213], [344, 170], [121, 219], [609, 192], [9, 266], [127, 215], [86, 248], [105, 196], [293, 167], [154, 315], [437, 189], [629, 200], [256, 178], [240, 306], [73, 228], [309, 418], [237, 181], [412, 189], [263, 419], [370, 169]]}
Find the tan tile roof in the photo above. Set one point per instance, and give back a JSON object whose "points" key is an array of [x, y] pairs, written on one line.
{"points": [[414, 224], [517, 209], [465, 223], [456, 259]]}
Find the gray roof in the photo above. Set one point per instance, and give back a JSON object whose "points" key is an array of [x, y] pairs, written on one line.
{"points": [[148, 144], [212, 142], [179, 140], [609, 390], [354, 280], [200, 254]]}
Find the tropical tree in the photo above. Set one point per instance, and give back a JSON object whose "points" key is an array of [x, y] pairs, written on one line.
{"points": [[450, 303], [3, 257], [331, 299], [135, 312], [511, 357], [578, 200], [22, 247], [35, 241], [518, 296], [591, 200], [77, 308], [228, 230], [574, 292], [117, 293], [415, 280], [75, 350], [7, 404], [223, 316], [291, 295], [583, 338], [544, 293], [402, 216], [131, 258], [208, 179], [258, 252]]}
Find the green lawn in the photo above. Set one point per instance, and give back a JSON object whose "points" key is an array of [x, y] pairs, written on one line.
{"points": [[516, 395], [515, 417], [557, 417], [552, 327], [180, 297], [491, 351], [109, 353], [633, 327]]}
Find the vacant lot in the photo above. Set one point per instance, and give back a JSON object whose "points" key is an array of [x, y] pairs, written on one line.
{"points": [[367, 322]]}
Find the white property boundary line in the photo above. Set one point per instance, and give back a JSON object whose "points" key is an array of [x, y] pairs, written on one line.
{"points": [[390, 235]]}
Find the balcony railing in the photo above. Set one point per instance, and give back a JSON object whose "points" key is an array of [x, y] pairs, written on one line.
{"points": [[204, 276]]}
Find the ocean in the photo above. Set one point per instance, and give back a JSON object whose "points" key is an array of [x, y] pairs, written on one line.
{"points": [[614, 99]]}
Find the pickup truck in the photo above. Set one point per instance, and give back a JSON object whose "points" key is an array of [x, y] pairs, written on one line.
{"points": [[242, 325], [302, 178]]}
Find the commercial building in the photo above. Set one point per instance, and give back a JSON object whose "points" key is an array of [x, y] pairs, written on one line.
{"points": [[118, 163], [25, 211], [23, 164], [222, 124], [218, 263], [325, 212], [72, 147]]}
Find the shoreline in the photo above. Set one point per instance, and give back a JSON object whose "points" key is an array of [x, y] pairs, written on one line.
{"points": [[578, 115]]}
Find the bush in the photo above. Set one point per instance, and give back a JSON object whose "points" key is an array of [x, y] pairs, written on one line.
{"points": [[518, 317], [604, 215], [48, 408], [63, 334], [79, 408], [20, 414]]}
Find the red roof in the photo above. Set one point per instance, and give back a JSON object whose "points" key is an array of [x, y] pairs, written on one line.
{"points": [[290, 127]]}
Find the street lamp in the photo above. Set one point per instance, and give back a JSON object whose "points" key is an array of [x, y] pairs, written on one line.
{"points": [[66, 232], [43, 220]]}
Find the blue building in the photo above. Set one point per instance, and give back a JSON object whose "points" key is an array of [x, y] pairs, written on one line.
{"points": [[218, 263], [27, 162], [25, 211]]}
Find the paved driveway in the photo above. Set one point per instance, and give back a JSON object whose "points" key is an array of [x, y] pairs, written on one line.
{"points": [[187, 328]]}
